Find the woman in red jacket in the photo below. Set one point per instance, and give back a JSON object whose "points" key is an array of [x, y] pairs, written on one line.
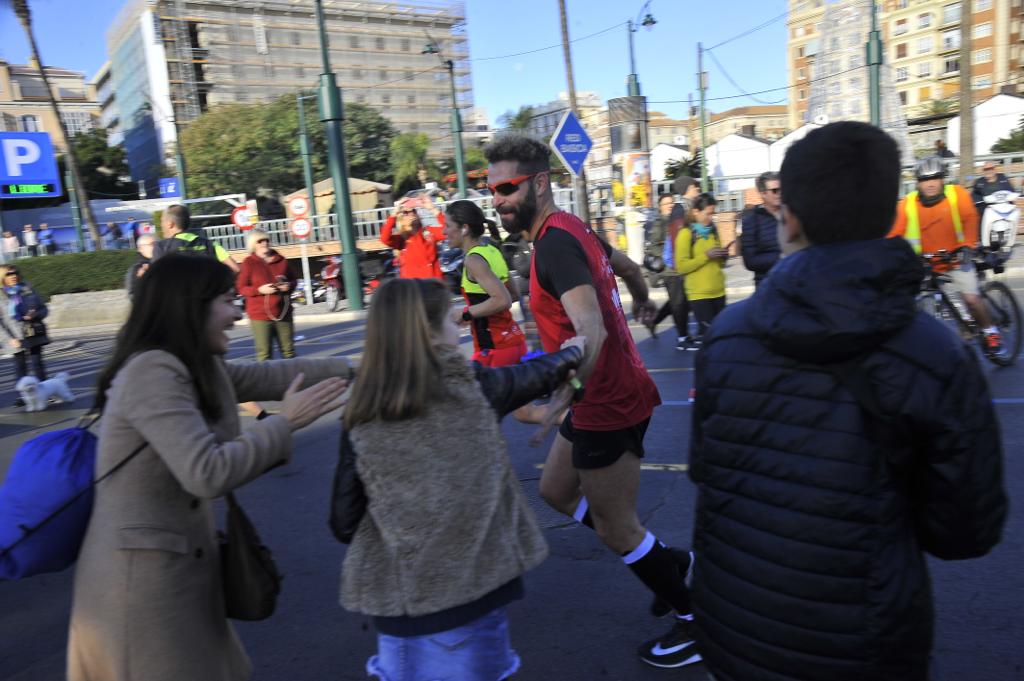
{"points": [[266, 282], [417, 243]]}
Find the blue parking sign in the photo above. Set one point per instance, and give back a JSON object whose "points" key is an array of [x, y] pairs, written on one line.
{"points": [[571, 143], [169, 187], [28, 166]]}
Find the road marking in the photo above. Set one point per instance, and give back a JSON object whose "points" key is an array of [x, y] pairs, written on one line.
{"points": [[670, 467]]}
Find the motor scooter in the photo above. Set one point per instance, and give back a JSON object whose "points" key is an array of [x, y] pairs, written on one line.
{"points": [[1000, 221]]}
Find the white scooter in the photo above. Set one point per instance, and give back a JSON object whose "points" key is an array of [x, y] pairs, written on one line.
{"points": [[1000, 220]]}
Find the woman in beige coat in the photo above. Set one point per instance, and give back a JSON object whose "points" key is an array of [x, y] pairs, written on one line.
{"points": [[148, 601]]}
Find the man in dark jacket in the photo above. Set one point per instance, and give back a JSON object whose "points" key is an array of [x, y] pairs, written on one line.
{"points": [[759, 241], [990, 182], [838, 434]]}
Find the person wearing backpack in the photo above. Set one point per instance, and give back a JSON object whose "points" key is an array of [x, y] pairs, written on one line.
{"points": [[148, 601], [839, 434], [700, 257], [175, 223], [22, 328]]}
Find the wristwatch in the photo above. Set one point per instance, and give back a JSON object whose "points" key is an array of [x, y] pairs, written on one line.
{"points": [[466, 316], [577, 387]]}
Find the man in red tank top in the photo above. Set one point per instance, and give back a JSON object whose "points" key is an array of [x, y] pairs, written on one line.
{"points": [[592, 472]]}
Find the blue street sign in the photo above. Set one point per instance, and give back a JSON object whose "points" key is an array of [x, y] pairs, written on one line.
{"points": [[28, 166], [169, 187], [571, 143]]}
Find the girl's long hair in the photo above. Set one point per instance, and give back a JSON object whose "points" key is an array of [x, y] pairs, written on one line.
{"points": [[400, 373], [468, 213], [169, 312]]}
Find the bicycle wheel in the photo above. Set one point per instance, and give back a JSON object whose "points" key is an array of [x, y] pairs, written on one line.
{"points": [[1006, 315]]}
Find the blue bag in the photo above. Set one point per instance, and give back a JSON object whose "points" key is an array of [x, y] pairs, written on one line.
{"points": [[46, 501]]}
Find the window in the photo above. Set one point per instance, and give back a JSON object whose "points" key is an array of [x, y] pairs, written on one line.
{"points": [[924, 21], [300, 72], [833, 45], [834, 89], [800, 52], [982, 82], [353, 42], [982, 56], [837, 110], [951, 14], [801, 74], [241, 97], [803, 95], [982, 5], [924, 45], [295, 38], [983, 30], [386, 99], [856, 60], [357, 74], [950, 66], [361, 99], [414, 126], [380, 43], [855, 106], [901, 27], [951, 40], [924, 69], [901, 74], [268, 70], [382, 74], [855, 84], [404, 44], [410, 99], [901, 51], [903, 98], [76, 121], [30, 124], [903, 4], [924, 94]]}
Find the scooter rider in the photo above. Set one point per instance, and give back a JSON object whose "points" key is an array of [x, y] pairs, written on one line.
{"points": [[990, 182]]}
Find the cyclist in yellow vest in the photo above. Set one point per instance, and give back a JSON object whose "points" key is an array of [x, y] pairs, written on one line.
{"points": [[941, 217]]}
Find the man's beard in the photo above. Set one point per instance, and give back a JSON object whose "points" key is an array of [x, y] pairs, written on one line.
{"points": [[520, 219]]}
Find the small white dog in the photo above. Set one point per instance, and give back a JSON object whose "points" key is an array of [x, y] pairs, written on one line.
{"points": [[37, 394]]}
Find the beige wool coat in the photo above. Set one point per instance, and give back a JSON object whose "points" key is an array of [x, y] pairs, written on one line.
{"points": [[148, 604]]}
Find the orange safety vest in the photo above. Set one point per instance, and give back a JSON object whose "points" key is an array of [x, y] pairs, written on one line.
{"points": [[913, 233]]}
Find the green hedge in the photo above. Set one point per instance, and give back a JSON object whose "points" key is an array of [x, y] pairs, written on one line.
{"points": [[77, 272]]}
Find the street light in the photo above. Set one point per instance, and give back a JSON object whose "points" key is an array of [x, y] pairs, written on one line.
{"points": [[331, 116], [632, 84], [460, 163]]}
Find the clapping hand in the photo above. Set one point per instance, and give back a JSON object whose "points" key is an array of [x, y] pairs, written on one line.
{"points": [[302, 407], [561, 399]]}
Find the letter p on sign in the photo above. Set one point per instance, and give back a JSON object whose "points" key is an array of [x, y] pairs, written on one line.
{"points": [[19, 153]]}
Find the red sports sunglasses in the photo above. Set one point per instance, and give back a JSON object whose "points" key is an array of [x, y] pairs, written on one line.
{"points": [[509, 187]]}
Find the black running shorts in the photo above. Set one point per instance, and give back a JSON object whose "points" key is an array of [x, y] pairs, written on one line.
{"points": [[602, 448]]}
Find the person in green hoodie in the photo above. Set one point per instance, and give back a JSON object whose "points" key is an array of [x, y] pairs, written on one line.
{"points": [[701, 257]]}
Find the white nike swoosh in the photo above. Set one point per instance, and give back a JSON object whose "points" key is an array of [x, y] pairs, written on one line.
{"points": [[658, 650]]}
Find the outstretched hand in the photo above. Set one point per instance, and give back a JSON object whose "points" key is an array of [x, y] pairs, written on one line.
{"points": [[302, 407], [555, 410]]}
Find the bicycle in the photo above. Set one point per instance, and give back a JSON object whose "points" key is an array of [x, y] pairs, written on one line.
{"points": [[997, 297]]}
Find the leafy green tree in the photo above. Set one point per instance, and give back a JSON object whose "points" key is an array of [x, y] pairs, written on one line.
{"points": [[408, 159], [517, 120], [253, 147], [102, 166], [1013, 142]]}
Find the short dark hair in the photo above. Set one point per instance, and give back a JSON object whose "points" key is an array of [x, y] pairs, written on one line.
{"points": [[700, 202], [764, 178], [179, 215], [169, 312], [530, 155], [665, 195], [842, 182], [681, 184]]}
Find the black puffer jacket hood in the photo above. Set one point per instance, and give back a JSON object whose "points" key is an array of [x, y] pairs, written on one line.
{"points": [[829, 303]]}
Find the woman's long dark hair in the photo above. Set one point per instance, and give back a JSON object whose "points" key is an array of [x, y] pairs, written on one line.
{"points": [[468, 213], [169, 312]]}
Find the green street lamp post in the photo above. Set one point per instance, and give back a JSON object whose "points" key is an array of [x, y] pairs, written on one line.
{"points": [[331, 115], [456, 124], [874, 61], [632, 82]]}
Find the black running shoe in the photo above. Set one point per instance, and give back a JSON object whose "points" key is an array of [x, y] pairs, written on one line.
{"points": [[674, 649]]}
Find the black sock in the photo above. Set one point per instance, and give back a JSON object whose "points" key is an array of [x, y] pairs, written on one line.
{"points": [[582, 513], [661, 571]]}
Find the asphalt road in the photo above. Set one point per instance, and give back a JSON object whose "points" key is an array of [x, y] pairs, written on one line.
{"points": [[584, 613]]}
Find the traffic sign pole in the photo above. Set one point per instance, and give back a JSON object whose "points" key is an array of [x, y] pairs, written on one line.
{"points": [[76, 218]]}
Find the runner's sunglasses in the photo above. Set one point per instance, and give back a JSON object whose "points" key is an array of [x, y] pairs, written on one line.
{"points": [[509, 187]]}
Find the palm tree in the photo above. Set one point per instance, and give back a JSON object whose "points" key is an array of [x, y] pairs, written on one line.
{"points": [[520, 120], [24, 15], [409, 157]]}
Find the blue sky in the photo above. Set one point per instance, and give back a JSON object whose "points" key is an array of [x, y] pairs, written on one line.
{"points": [[72, 34]]}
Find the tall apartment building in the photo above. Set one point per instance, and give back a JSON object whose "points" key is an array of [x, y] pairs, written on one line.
{"points": [[922, 48], [110, 118], [171, 60], [24, 106]]}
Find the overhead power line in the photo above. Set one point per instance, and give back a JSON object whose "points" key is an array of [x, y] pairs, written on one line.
{"points": [[749, 31], [550, 47], [736, 85]]}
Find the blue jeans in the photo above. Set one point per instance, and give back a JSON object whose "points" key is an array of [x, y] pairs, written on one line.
{"points": [[478, 651]]}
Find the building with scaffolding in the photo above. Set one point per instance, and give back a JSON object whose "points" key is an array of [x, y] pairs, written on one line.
{"points": [[171, 60]]}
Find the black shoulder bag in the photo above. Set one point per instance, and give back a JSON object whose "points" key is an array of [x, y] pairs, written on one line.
{"points": [[250, 577]]}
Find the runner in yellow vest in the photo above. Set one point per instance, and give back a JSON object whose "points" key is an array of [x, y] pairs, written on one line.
{"points": [[941, 217]]}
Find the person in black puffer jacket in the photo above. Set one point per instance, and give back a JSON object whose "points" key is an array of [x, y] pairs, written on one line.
{"points": [[838, 434]]}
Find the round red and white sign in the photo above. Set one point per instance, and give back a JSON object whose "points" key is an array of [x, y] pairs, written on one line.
{"points": [[301, 228], [299, 206], [240, 218]]}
